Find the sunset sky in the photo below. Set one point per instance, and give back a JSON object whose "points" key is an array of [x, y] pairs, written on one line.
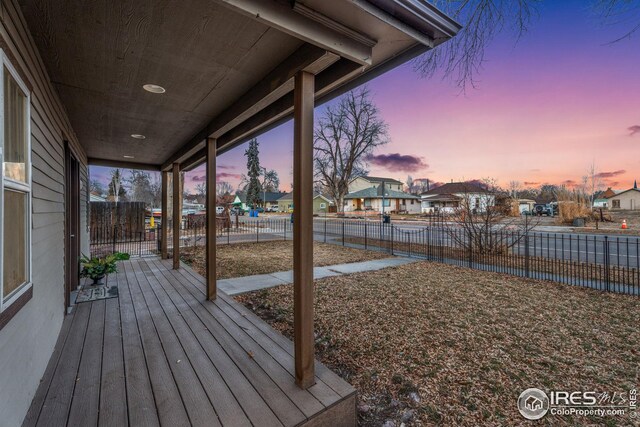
{"points": [[544, 109]]}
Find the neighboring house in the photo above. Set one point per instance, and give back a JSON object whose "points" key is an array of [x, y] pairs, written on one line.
{"points": [[372, 198], [271, 200], [603, 199], [363, 182], [321, 204], [96, 198], [600, 203], [450, 196], [626, 200]]}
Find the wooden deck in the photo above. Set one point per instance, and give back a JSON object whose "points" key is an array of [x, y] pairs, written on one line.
{"points": [[160, 354]]}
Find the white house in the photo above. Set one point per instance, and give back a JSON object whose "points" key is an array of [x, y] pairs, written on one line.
{"points": [[448, 197], [625, 200], [363, 182], [382, 198]]}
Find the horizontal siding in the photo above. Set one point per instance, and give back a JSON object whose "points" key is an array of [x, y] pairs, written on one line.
{"points": [[27, 341]]}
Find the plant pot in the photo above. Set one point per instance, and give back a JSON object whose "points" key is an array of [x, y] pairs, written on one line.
{"points": [[96, 280]]}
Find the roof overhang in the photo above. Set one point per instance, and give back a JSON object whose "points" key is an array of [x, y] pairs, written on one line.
{"points": [[227, 66]]}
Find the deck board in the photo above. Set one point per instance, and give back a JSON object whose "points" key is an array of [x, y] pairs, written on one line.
{"points": [[160, 354], [86, 394], [112, 383], [268, 353], [341, 387]]}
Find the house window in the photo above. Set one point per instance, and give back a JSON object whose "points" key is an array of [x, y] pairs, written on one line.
{"points": [[412, 201], [367, 203], [387, 203], [15, 203], [616, 204]]}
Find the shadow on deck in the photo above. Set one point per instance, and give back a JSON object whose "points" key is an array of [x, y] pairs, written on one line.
{"points": [[160, 354]]}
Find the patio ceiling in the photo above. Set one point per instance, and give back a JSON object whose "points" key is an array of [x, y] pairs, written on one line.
{"points": [[227, 65]]}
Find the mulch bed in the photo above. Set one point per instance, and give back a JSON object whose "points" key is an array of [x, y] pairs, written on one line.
{"points": [[433, 344]]}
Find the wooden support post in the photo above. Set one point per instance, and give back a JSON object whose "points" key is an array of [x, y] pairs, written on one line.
{"points": [[177, 215], [303, 229], [164, 223], [211, 219]]}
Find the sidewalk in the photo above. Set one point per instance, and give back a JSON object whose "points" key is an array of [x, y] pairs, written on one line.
{"points": [[239, 285]]}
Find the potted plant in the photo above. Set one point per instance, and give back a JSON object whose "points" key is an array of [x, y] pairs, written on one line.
{"points": [[96, 268]]}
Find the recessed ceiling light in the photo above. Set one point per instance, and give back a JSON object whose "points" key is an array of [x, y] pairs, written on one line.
{"points": [[154, 88], [128, 157], [137, 136]]}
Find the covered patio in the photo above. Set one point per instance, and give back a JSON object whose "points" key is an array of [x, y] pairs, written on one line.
{"points": [[168, 86], [160, 354]]}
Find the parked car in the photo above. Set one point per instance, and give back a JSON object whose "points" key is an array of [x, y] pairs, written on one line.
{"points": [[260, 209], [219, 210], [544, 209], [272, 209], [237, 210]]}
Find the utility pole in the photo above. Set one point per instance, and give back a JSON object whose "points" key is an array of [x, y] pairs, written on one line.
{"points": [[382, 200]]}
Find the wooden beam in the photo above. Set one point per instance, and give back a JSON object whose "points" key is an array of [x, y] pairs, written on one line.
{"points": [[164, 224], [303, 230], [122, 164], [274, 85], [278, 15], [177, 215], [211, 220], [279, 112]]}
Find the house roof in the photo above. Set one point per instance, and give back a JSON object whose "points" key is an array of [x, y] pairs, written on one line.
{"points": [[269, 196], [227, 66], [441, 198], [625, 191], [379, 179], [376, 193], [289, 196], [608, 193], [456, 188]]}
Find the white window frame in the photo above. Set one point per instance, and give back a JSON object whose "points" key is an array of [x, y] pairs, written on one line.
{"points": [[15, 185]]}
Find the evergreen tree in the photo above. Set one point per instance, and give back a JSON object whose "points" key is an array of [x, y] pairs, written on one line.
{"points": [[253, 172]]}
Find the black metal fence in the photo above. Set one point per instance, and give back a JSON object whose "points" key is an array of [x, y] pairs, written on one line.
{"points": [[608, 263], [238, 231], [108, 239]]}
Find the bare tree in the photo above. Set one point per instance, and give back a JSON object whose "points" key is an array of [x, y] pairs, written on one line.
{"points": [[592, 183], [270, 180], [623, 13], [461, 58], [96, 187], [224, 193], [344, 136], [482, 226], [201, 192], [410, 185], [514, 189], [421, 185]]}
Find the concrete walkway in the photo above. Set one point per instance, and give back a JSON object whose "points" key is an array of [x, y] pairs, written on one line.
{"points": [[239, 285]]}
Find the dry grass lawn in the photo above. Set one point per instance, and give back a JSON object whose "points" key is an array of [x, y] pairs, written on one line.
{"points": [[433, 344], [247, 259]]}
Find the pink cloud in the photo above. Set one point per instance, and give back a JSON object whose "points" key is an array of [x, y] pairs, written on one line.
{"points": [[611, 174], [634, 129], [396, 162]]}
